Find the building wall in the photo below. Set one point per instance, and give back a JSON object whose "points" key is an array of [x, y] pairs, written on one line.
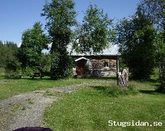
{"points": [[100, 66], [103, 67]]}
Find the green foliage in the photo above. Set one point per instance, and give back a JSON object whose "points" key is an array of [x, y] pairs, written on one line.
{"points": [[136, 38], [2, 53], [13, 68], [61, 65], [33, 42], [29, 71], [42, 70], [46, 63], [8, 50], [157, 7], [160, 59], [60, 16], [95, 33], [158, 13], [160, 47], [9, 61], [162, 76]]}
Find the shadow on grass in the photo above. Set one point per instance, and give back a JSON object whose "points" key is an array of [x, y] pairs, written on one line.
{"points": [[98, 78], [36, 78], [152, 92], [29, 78], [99, 88], [115, 90], [154, 81], [23, 78], [155, 91], [48, 78], [2, 77]]}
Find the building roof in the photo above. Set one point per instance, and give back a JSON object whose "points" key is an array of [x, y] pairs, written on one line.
{"points": [[77, 57], [81, 58]]}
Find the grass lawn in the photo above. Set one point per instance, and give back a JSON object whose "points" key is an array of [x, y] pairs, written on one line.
{"points": [[90, 109], [12, 87]]}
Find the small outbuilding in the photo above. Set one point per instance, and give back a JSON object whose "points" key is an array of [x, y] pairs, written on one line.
{"points": [[81, 66], [96, 65]]}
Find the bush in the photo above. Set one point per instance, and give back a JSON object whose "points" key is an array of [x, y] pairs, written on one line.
{"points": [[13, 74], [61, 65], [13, 69], [28, 71]]}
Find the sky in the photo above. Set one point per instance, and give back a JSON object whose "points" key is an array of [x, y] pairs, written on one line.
{"points": [[18, 15]]}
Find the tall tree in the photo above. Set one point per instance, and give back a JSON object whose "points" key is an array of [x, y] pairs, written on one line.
{"points": [[8, 50], [155, 10], [2, 53], [60, 16], [136, 42], [95, 33], [33, 42], [8, 59]]}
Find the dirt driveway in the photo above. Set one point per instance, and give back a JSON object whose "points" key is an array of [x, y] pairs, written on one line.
{"points": [[27, 110]]}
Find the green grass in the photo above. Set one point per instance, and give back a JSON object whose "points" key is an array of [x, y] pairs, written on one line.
{"points": [[90, 109], [11, 87], [116, 91]]}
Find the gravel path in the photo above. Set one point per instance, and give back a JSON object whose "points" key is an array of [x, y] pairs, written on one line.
{"points": [[26, 110]]}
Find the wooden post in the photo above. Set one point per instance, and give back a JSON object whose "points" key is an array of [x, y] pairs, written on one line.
{"points": [[117, 69]]}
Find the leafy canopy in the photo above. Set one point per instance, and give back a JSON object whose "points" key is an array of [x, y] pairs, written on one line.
{"points": [[8, 51], [60, 16], [136, 43], [33, 42], [155, 10], [95, 33]]}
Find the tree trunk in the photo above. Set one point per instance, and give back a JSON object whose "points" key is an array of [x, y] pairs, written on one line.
{"points": [[162, 76]]}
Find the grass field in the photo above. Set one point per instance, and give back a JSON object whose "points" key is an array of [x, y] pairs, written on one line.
{"points": [[90, 109], [11, 87]]}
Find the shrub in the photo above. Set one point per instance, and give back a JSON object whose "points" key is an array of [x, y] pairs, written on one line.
{"points": [[13, 74], [61, 65], [12, 69], [28, 71]]}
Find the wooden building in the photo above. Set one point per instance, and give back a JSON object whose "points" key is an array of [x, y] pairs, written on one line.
{"points": [[96, 65]]}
